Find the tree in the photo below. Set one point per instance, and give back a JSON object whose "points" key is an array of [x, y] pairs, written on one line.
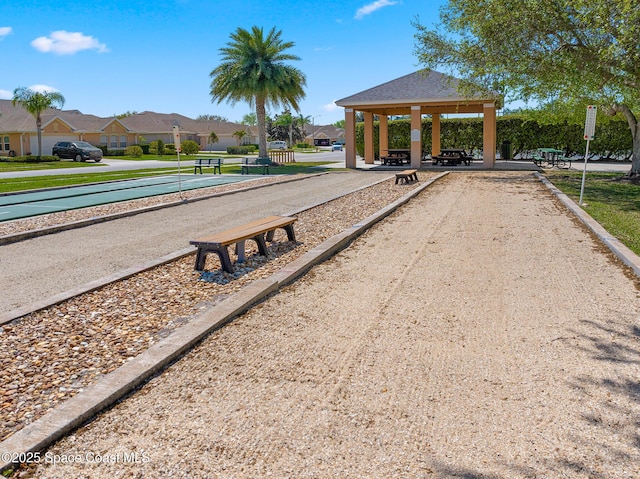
{"points": [[304, 120], [213, 138], [572, 52], [287, 121], [339, 124], [253, 70], [239, 134], [249, 119], [206, 117], [35, 103]]}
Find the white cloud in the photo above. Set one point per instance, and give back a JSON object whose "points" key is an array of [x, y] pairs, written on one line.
{"points": [[5, 95], [330, 106], [372, 7], [4, 31], [43, 88], [67, 43]]}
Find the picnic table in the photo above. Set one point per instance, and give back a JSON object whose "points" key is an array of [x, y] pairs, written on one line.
{"points": [[550, 158], [397, 156], [452, 157]]}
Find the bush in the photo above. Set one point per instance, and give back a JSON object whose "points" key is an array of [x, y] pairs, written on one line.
{"points": [[157, 147], [190, 147], [238, 150], [28, 159], [119, 152], [145, 149], [134, 151], [303, 145]]}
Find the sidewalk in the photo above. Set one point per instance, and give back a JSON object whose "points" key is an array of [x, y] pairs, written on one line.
{"points": [[460, 337]]}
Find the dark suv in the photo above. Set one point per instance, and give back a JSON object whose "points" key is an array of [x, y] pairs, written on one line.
{"points": [[77, 151]]}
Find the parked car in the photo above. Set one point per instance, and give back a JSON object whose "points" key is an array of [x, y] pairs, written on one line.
{"points": [[336, 147], [277, 145], [77, 151]]}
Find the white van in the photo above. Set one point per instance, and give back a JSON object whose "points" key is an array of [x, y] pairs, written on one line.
{"points": [[277, 145]]}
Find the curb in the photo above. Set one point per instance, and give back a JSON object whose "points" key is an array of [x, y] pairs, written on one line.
{"points": [[75, 411], [127, 273], [623, 253], [15, 238]]}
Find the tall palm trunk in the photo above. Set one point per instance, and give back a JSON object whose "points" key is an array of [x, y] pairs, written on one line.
{"points": [[261, 116], [39, 129]]}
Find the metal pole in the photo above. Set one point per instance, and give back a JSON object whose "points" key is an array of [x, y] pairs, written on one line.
{"points": [[584, 173]]}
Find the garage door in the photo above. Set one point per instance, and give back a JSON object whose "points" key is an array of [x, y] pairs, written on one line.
{"points": [[48, 142]]}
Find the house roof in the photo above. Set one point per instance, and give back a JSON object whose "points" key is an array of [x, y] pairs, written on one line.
{"points": [[17, 119], [435, 92]]}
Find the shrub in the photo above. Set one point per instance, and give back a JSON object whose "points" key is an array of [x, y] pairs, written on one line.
{"points": [[145, 149], [238, 150], [119, 152], [28, 159], [190, 147], [303, 145], [134, 151], [157, 147]]}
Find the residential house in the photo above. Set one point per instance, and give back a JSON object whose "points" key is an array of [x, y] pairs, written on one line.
{"points": [[327, 135], [18, 132]]}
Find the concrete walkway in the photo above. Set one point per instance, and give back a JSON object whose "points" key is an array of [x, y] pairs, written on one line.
{"points": [[46, 266]]}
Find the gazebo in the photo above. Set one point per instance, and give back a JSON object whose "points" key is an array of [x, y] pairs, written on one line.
{"points": [[416, 94]]}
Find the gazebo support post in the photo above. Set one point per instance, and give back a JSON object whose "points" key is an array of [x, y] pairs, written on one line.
{"points": [[383, 134], [435, 134], [369, 150], [350, 137], [416, 136], [489, 134]]}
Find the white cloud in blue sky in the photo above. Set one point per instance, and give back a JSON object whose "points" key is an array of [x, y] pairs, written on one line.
{"points": [[4, 31], [5, 95], [67, 43], [372, 7], [43, 88]]}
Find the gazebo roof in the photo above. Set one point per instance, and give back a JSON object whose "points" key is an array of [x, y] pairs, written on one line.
{"points": [[434, 92]]}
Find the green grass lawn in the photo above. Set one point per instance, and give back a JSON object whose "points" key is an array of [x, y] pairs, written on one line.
{"points": [[611, 201], [9, 185]]}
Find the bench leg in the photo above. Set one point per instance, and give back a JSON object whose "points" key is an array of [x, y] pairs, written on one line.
{"points": [[195, 169], [291, 236], [262, 244], [223, 254], [240, 251], [216, 167]]}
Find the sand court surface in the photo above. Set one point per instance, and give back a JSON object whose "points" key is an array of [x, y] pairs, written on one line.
{"points": [[479, 332]]}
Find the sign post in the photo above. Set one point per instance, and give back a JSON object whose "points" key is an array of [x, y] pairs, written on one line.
{"points": [[589, 130], [176, 142]]}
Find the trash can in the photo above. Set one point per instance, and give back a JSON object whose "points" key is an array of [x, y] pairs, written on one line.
{"points": [[505, 150]]}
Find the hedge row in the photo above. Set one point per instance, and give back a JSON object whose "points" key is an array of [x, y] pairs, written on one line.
{"points": [[612, 139]]}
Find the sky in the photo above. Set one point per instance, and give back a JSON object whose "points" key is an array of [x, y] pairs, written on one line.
{"points": [[111, 57]]}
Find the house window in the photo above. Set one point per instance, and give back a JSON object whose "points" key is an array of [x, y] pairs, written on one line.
{"points": [[103, 140], [5, 143], [123, 141], [113, 141]]}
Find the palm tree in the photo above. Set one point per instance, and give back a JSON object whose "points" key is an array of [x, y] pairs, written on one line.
{"points": [[304, 120], [35, 103], [253, 70], [240, 134]]}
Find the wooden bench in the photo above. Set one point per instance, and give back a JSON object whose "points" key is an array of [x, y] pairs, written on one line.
{"points": [[259, 231], [406, 176], [214, 163], [259, 163]]}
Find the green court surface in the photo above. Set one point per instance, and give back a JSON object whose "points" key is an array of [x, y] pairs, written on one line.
{"points": [[23, 205]]}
